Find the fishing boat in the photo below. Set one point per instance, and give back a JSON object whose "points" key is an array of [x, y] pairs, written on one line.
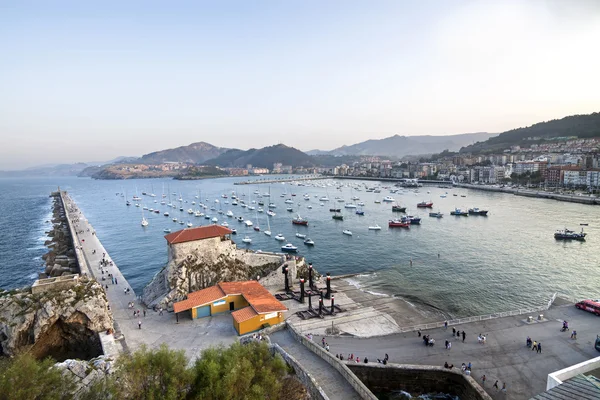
{"points": [[397, 208], [425, 204], [398, 223], [279, 237], [459, 213], [309, 242], [247, 239], [335, 209], [338, 217], [567, 234], [436, 214], [289, 248], [347, 232], [412, 220], [299, 221], [477, 211], [375, 228], [388, 199]]}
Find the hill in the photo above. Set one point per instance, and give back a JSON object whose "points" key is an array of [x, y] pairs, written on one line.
{"points": [[263, 158], [195, 153], [581, 126], [399, 146]]}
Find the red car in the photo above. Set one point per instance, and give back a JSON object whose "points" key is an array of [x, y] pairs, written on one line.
{"points": [[592, 306]]}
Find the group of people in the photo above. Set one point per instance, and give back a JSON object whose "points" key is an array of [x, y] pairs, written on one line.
{"points": [[428, 340], [535, 345], [481, 339], [459, 333]]}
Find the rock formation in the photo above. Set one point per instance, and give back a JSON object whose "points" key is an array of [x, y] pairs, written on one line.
{"points": [[60, 260], [58, 323], [194, 267], [86, 373]]}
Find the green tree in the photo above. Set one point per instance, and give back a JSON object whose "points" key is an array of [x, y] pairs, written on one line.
{"points": [[25, 378], [153, 374], [238, 372]]}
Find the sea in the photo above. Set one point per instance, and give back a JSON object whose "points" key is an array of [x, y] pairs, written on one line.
{"points": [[463, 266]]}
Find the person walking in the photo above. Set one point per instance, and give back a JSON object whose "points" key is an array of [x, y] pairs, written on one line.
{"points": [[534, 347], [463, 335], [140, 324], [445, 325], [483, 378], [504, 387], [453, 331], [496, 384], [574, 334], [144, 313], [539, 347]]}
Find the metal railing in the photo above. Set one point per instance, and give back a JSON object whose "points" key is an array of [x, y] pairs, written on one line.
{"points": [[477, 318]]}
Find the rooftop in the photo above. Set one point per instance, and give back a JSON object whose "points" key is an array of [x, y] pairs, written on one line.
{"points": [[255, 294], [198, 233], [580, 387], [243, 314]]}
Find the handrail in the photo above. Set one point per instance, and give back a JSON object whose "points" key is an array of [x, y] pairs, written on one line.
{"points": [[466, 320]]}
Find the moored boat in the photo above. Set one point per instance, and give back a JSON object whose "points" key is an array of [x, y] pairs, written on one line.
{"points": [[309, 242], [566, 234], [397, 208], [436, 214], [398, 223], [459, 212], [299, 221], [347, 232], [477, 211], [425, 204], [289, 248]]}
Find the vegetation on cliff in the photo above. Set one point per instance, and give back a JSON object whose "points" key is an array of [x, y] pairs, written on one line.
{"points": [[263, 158], [248, 371], [202, 172], [580, 126]]}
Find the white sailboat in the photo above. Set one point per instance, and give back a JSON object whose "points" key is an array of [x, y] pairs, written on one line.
{"points": [[375, 228], [268, 232], [144, 220]]}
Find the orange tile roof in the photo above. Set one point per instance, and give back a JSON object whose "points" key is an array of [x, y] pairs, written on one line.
{"points": [[198, 233], [243, 314], [255, 294], [199, 298]]}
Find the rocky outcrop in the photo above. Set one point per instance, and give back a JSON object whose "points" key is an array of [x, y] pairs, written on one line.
{"points": [[57, 323], [60, 260], [85, 373], [191, 269]]}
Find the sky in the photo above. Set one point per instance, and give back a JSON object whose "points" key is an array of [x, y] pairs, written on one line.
{"points": [[90, 81]]}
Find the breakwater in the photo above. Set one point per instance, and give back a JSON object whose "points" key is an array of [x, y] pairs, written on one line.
{"points": [[537, 194], [280, 180]]}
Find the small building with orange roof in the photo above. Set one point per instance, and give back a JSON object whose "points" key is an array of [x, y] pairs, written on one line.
{"points": [[252, 306]]}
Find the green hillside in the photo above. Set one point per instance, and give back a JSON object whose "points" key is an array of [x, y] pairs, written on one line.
{"points": [[581, 126], [263, 158]]}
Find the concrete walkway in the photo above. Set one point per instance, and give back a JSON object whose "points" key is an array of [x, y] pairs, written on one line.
{"points": [[504, 357], [331, 381], [189, 335]]}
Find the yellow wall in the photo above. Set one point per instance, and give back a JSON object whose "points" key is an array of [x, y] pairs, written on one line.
{"points": [[256, 323], [194, 313], [238, 300]]}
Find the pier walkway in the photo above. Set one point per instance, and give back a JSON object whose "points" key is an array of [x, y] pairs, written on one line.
{"points": [[504, 357], [189, 335], [329, 379]]}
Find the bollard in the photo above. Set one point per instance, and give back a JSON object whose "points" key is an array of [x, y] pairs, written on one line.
{"points": [[332, 304], [301, 290], [530, 319], [540, 317], [287, 283], [328, 294], [309, 302], [320, 306]]}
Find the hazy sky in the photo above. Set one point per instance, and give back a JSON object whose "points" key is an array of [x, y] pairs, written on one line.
{"points": [[89, 81]]}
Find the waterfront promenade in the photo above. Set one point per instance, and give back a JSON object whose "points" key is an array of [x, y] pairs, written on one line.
{"points": [[504, 357], [189, 335]]}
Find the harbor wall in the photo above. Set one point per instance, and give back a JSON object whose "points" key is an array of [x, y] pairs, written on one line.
{"points": [[84, 268], [417, 379], [536, 194]]}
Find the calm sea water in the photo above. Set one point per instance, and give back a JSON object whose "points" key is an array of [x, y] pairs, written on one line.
{"points": [[505, 261]]}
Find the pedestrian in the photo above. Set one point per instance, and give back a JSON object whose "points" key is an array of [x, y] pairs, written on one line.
{"points": [[534, 347], [445, 325], [469, 366], [483, 379], [504, 387], [323, 341], [496, 384], [447, 344], [116, 281], [419, 333], [124, 290], [160, 310], [463, 335], [539, 348], [574, 334], [144, 313], [453, 331], [106, 287], [457, 333], [140, 324]]}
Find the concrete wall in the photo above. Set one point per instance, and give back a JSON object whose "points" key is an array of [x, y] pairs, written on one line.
{"points": [[417, 379], [81, 260], [313, 388], [356, 383], [60, 282], [558, 377]]}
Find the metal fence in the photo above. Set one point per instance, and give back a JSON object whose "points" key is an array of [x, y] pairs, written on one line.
{"points": [[486, 317]]}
